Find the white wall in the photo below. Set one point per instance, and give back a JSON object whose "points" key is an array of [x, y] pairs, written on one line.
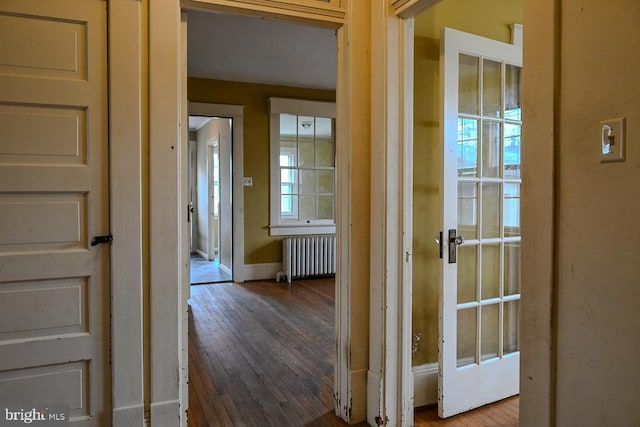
{"points": [[202, 176]]}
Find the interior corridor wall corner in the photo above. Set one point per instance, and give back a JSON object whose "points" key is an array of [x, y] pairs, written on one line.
{"points": [[390, 381], [353, 101], [539, 135]]}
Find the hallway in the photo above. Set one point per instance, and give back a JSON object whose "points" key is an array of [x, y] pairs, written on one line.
{"points": [[204, 271]]}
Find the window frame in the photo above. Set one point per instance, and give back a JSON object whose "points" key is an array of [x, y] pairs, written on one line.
{"points": [[299, 107]]}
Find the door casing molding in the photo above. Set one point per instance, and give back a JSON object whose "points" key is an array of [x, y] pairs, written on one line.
{"points": [[127, 157]]}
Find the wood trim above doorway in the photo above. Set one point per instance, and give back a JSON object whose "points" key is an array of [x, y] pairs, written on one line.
{"points": [[312, 12], [410, 8]]}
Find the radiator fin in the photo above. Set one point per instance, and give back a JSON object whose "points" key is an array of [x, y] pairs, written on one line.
{"points": [[308, 256]]}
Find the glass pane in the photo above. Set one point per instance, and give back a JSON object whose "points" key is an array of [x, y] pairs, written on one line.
{"points": [[513, 93], [512, 150], [325, 207], [325, 181], [511, 209], [288, 125], [306, 128], [289, 207], [289, 181], [324, 154], [467, 273], [288, 156], [490, 331], [491, 88], [490, 271], [491, 149], [511, 327], [306, 154], [307, 182], [468, 84], [467, 147], [307, 208], [512, 268], [324, 130], [468, 210], [466, 339], [491, 194]]}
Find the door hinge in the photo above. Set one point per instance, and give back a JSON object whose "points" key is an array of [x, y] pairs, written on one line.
{"points": [[102, 239]]}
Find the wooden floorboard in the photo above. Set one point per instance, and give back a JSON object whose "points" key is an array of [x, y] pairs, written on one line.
{"points": [[499, 414], [262, 354]]}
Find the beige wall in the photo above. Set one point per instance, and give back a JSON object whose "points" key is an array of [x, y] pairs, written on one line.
{"points": [[598, 269], [259, 246], [490, 18], [582, 285]]}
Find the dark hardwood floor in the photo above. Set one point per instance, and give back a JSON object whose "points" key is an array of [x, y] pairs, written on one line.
{"points": [[262, 354]]}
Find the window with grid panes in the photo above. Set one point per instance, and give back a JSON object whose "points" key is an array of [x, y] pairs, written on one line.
{"points": [[302, 167]]}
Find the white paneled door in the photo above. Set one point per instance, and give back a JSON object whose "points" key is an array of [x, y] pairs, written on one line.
{"points": [[480, 294], [54, 285]]}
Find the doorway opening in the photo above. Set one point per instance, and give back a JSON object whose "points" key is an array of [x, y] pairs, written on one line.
{"points": [[244, 77], [486, 265], [210, 196]]}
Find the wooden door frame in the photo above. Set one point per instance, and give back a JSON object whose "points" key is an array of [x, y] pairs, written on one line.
{"points": [[390, 381], [192, 183], [541, 117], [166, 102], [236, 114], [127, 153], [539, 291]]}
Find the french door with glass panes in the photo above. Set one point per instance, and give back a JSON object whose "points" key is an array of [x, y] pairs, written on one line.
{"points": [[480, 294]]}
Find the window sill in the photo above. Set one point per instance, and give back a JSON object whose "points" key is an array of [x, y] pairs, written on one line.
{"points": [[296, 230]]}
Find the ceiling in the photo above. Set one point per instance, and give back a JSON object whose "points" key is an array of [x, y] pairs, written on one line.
{"points": [[247, 49], [196, 122]]}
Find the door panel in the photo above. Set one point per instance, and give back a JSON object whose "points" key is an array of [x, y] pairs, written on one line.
{"points": [[479, 345], [54, 293]]}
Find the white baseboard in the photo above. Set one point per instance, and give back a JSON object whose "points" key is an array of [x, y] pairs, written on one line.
{"points": [[225, 269], [128, 416], [165, 414], [425, 384], [266, 271], [202, 253]]}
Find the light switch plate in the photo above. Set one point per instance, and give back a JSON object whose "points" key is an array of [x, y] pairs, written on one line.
{"points": [[247, 181], [612, 140]]}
